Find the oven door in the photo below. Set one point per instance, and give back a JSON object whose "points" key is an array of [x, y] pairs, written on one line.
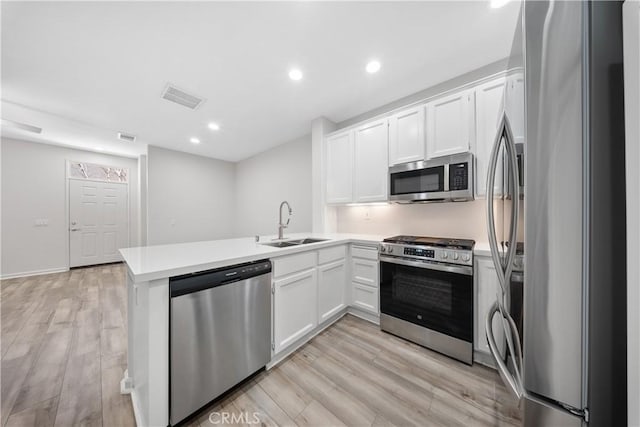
{"points": [[431, 295], [415, 181]]}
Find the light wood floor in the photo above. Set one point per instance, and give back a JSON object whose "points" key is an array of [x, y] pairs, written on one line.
{"points": [[64, 351]]}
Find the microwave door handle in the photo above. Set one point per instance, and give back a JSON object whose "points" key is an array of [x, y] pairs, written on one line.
{"points": [[446, 177], [491, 225]]}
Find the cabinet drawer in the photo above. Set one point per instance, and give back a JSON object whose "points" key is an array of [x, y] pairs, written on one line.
{"points": [[365, 297], [294, 263], [367, 252], [364, 271], [331, 254]]}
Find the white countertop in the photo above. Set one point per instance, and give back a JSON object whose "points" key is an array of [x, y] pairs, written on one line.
{"points": [[156, 262]]}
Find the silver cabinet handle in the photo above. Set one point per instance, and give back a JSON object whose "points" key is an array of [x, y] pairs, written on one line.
{"points": [[74, 229]]}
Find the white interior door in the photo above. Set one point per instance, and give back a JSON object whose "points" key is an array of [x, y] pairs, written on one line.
{"points": [[98, 221]]}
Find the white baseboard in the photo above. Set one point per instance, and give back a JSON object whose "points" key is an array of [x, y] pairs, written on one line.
{"points": [[33, 273], [373, 318]]}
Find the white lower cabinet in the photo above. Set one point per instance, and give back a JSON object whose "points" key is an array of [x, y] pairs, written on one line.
{"points": [[365, 297], [487, 287], [365, 292], [332, 278], [294, 307], [310, 288]]}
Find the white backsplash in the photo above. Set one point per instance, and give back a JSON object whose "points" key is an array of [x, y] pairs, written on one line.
{"points": [[458, 220]]}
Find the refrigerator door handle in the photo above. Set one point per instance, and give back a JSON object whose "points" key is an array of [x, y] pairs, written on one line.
{"points": [[503, 270], [508, 324], [504, 266], [514, 382], [491, 226]]}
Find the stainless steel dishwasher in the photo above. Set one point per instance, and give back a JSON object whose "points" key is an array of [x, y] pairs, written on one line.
{"points": [[220, 333]]}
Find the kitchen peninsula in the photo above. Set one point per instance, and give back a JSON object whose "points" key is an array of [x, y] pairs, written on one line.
{"points": [[312, 286]]}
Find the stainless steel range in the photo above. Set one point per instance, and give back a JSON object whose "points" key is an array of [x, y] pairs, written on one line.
{"points": [[426, 292]]}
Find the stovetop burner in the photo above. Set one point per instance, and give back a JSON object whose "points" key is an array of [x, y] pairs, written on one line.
{"points": [[432, 241]]}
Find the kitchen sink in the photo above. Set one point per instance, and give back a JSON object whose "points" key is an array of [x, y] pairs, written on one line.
{"points": [[296, 242], [307, 241], [280, 244]]}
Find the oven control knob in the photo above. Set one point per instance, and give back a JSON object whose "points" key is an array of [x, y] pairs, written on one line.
{"points": [[390, 249], [383, 249], [444, 255], [456, 256], [466, 257]]}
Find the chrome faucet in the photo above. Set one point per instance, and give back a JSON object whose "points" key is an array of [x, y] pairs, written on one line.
{"points": [[282, 226]]}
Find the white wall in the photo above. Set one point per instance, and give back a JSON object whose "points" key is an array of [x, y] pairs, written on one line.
{"points": [[190, 198], [265, 180], [465, 220], [34, 187], [631, 24]]}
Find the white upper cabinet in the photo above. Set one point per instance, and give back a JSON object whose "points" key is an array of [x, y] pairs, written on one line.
{"points": [[406, 136], [339, 150], [450, 123], [371, 162], [489, 107]]}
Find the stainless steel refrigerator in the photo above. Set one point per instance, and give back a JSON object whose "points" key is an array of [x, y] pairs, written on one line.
{"points": [[556, 217]]}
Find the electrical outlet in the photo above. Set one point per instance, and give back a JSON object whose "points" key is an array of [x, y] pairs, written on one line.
{"points": [[367, 214]]}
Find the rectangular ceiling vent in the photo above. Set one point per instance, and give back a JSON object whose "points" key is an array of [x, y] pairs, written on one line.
{"points": [[179, 96], [126, 137]]}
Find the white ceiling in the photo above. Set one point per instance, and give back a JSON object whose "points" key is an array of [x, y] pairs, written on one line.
{"points": [[103, 66]]}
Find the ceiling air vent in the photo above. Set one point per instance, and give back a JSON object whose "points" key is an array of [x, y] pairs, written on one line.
{"points": [[173, 94], [126, 137]]}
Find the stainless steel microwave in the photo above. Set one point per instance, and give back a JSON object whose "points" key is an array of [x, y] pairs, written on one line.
{"points": [[448, 178]]}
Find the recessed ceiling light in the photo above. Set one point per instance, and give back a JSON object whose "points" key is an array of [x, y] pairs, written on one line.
{"points": [[373, 67], [213, 126], [295, 74], [496, 4], [195, 141]]}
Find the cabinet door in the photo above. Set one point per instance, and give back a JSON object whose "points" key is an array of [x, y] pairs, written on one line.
{"points": [[365, 298], [294, 308], [406, 136], [371, 162], [487, 288], [489, 107], [339, 150], [365, 271], [332, 281], [450, 124]]}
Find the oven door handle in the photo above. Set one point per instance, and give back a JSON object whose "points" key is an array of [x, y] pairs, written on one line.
{"points": [[458, 269]]}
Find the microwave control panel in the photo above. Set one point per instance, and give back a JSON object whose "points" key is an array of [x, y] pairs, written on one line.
{"points": [[459, 176]]}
